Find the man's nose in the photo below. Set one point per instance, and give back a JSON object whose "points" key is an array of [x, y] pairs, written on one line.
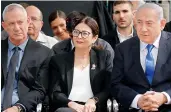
{"points": [[16, 27], [143, 27], [121, 15], [59, 29]]}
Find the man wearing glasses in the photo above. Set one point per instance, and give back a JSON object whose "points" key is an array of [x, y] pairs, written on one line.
{"points": [[34, 30]]}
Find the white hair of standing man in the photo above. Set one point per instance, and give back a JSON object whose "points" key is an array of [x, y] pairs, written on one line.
{"points": [[12, 7], [155, 7]]}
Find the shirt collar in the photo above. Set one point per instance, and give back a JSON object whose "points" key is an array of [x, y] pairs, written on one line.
{"points": [[72, 44], [40, 38], [143, 45], [120, 35], [21, 46], [57, 38]]}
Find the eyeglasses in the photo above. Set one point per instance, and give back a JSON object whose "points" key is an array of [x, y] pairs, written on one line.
{"points": [[84, 34]]}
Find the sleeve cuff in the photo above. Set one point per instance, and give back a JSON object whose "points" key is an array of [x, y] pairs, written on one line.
{"points": [[134, 103], [23, 107], [168, 98]]}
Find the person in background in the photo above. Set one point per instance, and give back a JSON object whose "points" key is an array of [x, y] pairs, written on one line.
{"points": [[168, 27], [57, 22], [67, 45], [141, 77], [36, 24], [80, 78], [123, 18], [24, 64], [136, 4]]}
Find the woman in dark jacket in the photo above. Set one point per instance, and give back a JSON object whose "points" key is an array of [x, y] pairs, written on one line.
{"points": [[81, 78]]}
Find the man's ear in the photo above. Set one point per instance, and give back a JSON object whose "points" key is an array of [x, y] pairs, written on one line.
{"points": [[163, 23], [3, 25], [42, 23], [28, 20]]}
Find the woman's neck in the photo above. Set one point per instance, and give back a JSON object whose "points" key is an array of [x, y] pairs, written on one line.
{"points": [[81, 53], [82, 58]]}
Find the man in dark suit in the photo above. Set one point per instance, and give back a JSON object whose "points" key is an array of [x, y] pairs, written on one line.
{"points": [[123, 17], [24, 64], [141, 75]]}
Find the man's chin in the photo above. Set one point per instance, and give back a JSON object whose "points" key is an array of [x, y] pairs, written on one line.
{"points": [[30, 33], [122, 26]]}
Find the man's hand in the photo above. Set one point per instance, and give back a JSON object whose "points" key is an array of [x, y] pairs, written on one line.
{"points": [[151, 101], [76, 106], [90, 106], [11, 109], [160, 98], [147, 103]]}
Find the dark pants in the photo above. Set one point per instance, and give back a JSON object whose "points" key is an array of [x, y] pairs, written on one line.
{"points": [[65, 109], [164, 108]]}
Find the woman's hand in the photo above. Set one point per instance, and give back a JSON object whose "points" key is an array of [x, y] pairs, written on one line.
{"points": [[76, 106], [90, 106]]}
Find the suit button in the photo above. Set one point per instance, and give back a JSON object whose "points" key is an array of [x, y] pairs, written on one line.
{"points": [[151, 89]]}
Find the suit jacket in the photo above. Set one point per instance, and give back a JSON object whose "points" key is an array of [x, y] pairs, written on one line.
{"points": [[65, 47], [33, 73], [113, 39], [61, 68], [128, 77]]}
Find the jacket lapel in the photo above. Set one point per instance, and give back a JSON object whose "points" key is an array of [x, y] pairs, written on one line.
{"points": [[163, 53], [116, 37], [29, 50], [136, 59], [4, 56], [68, 46], [134, 32], [70, 70], [93, 65]]}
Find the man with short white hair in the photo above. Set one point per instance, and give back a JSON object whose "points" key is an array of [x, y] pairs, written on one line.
{"points": [[141, 77], [35, 26], [24, 67]]}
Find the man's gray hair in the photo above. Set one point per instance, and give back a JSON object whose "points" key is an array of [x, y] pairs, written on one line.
{"points": [[12, 7], [157, 8]]}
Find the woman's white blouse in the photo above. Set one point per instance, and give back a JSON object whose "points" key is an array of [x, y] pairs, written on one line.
{"points": [[81, 88]]}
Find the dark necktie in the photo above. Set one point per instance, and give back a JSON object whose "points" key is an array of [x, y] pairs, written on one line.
{"points": [[149, 64], [9, 85]]}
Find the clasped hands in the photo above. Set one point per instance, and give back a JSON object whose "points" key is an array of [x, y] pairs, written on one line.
{"points": [[151, 101], [90, 106], [12, 109]]}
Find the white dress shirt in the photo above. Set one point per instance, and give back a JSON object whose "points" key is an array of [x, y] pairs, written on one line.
{"points": [[122, 37], [46, 40], [81, 88], [143, 53], [57, 38]]}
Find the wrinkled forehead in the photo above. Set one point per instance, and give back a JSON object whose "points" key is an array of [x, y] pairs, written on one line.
{"points": [[146, 13], [17, 13]]}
